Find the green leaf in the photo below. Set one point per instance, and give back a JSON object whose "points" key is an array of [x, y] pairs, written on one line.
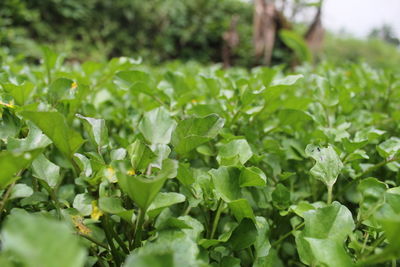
{"points": [[35, 139], [157, 126], [372, 196], [46, 170], [252, 176], [192, 132], [162, 201], [13, 162], [28, 236], [83, 203], [21, 93], [297, 44], [143, 190], [333, 221], [54, 125], [244, 235], [235, 152], [183, 249], [326, 228], [21, 191], [327, 166], [154, 260], [97, 130], [140, 155], [59, 89], [185, 174], [241, 209], [281, 196], [226, 183], [389, 148]]}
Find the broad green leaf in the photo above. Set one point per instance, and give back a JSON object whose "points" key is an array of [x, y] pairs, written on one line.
{"points": [[244, 235], [154, 260], [126, 79], [372, 196], [35, 139], [389, 148], [21, 93], [9, 124], [162, 201], [334, 221], [143, 190], [97, 130], [157, 126], [287, 81], [226, 183], [252, 176], [140, 155], [192, 132], [59, 89], [235, 152], [185, 174], [281, 197], [21, 191], [54, 125], [38, 241], [327, 164], [297, 44], [326, 227], [46, 170], [183, 249], [113, 205], [83, 203], [329, 252], [241, 209], [13, 162]]}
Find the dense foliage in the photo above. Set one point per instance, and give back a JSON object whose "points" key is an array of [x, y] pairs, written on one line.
{"points": [[155, 29], [184, 165]]}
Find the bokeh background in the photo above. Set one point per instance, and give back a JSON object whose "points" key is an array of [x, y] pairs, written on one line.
{"points": [[160, 30]]}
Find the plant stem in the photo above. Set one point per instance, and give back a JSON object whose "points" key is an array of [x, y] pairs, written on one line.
{"points": [[277, 242], [119, 241], [216, 218], [139, 229], [330, 188], [100, 244], [110, 241], [5, 198], [53, 196]]}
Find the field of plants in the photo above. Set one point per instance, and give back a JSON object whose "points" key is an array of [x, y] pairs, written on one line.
{"points": [[123, 164]]}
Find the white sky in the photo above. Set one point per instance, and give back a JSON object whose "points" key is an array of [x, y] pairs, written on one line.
{"points": [[358, 17]]}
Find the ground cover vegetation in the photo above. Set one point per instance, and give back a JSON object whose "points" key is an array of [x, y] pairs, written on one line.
{"points": [[119, 163]]}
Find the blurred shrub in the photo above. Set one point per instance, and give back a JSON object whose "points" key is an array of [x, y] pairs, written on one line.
{"points": [[373, 51]]}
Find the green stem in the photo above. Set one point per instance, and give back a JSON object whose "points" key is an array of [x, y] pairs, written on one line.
{"points": [[330, 188], [110, 241], [277, 242], [5, 198], [119, 241], [53, 196], [100, 244], [216, 218], [139, 229]]}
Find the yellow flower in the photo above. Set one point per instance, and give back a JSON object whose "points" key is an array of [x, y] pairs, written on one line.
{"points": [[131, 172], [78, 223], [74, 85], [194, 101], [96, 212]]}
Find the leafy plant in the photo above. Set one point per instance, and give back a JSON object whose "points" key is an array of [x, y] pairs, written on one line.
{"points": [[124, 164]]}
